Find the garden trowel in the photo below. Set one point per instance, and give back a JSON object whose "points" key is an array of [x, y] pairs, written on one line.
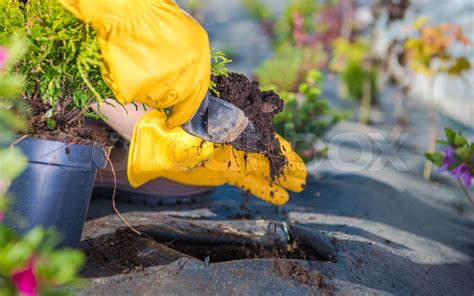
{"points": [[219, 121]]}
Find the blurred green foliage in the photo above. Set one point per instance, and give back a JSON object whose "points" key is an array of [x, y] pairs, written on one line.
{"points": [[293, 73], [306, 112], [12, 162], [53, 270], [285, 24], [351, 60], [288, 67]]}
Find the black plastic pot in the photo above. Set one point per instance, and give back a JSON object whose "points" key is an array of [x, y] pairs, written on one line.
{"points": [[55, 190]]}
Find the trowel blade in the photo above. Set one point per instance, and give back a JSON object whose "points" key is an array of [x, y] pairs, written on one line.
{"points": [[219, 121]]}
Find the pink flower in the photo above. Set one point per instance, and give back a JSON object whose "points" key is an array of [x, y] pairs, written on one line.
{"points": [[2, 217], [3, 57], [25, 280]]}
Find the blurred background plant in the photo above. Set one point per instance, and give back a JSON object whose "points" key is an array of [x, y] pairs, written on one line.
{"points": [[430, 53], [12, 161], [307, 113], [301, 39], [29, 263], [62, 65], [353, 62], [287, 69], [297, 23], [395, 9], [457, 158]]}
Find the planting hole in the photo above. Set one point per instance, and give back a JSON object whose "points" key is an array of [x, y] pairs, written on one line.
{"points": [[126, 252], [230, 252]]}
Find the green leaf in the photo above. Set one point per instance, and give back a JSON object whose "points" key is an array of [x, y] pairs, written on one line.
{"points": [[454, 165], [12, 163], [64, 265], [10, 86], [436, 158], [451, 135], [459, 140], [51, 123], [49, 113], [303, 87], [314, 76], [442, 142], [12, 121], [35, 237], [464, 153], [462, 65]]}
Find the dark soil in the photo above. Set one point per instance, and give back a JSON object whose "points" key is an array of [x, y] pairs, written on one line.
{"points": [[260, 107], [125, 252], [71, 125], [231, 252]]}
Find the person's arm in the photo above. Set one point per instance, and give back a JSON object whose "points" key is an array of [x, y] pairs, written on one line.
{"points": [[122, 118]]}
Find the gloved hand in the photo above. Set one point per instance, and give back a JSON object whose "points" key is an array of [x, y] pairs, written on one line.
{"points": [[158, 55], [155, 53], [158, 151]]}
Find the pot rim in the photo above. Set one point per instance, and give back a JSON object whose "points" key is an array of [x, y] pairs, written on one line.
{"points": [[75, 156]]}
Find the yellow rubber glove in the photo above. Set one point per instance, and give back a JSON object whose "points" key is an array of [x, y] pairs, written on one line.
{"points": [[155, 53], [158, 151], [158, 55]]}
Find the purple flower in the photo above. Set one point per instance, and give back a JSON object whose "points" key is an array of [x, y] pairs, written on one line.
{"points": [[3, 57], [449, 159], [464, 172]]}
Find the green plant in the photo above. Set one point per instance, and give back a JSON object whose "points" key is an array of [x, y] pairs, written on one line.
{"points": [[306, 112], [351, 61], [305, 10], [218, 68], [63, 63], [457, 159], [429, 54], [288, 67], [29, 264]]}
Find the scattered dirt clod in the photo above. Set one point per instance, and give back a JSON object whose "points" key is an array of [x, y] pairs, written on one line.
{"points": [[292, 270], [260, 107]]}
